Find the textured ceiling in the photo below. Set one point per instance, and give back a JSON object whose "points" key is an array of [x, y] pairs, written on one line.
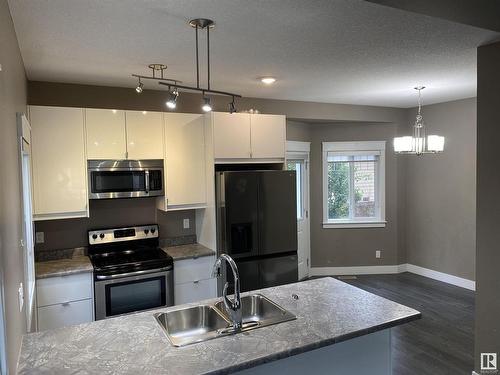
{"points": [[337, 51]]}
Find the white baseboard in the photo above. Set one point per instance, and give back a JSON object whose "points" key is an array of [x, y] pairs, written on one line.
{"points": [[361, 270], [441, 276], [374, 270]]}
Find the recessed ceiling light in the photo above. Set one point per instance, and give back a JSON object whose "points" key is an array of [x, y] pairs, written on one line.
{"points": [[268, 80]]}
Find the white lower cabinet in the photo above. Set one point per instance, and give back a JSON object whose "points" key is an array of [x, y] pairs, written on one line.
{"points": [[195, 291], [64, 300], [193, 280], [65, 314]]}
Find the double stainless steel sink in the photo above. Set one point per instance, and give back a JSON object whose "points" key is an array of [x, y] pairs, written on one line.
{"points": [[205, 322]]}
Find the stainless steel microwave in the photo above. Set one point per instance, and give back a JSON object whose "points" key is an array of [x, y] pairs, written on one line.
{"points": [[125, 178]]}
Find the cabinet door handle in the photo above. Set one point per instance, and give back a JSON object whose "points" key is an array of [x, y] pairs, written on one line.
{"points": [[65, 303], [196, 281]]}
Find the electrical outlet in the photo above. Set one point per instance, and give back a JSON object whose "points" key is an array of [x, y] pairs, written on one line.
{"points": [[40, 237], [378, 254], [186, 223], [21, 296]]}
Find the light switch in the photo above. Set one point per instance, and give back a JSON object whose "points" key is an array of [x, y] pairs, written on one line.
{"points": [[186, 223]]}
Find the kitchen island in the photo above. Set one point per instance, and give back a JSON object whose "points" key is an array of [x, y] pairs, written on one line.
{"points": [[338, 328]]}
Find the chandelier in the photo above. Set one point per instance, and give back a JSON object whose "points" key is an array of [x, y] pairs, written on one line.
{"points": [[419, 143], [175, 85]]}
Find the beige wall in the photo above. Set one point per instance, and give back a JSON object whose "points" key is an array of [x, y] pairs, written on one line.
{"points": [[430, 200], [12, 100], [70, 95], [441, 193], [351, 247], [487, 337]]}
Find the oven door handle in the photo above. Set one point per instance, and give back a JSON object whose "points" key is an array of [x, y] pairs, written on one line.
{"points": [[110, 277]]}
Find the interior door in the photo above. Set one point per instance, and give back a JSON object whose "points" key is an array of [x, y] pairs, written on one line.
{"points": [[278, 227], [298, 162]]}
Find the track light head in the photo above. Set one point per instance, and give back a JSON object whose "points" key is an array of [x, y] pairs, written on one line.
{"points": [[172, 99], [139, 87], [206, 107], [232, 107]]}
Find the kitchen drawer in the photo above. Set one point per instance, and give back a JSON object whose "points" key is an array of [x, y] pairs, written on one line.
{"points": [[195, 291], [187, 270], [65, 314], [60, 289]]}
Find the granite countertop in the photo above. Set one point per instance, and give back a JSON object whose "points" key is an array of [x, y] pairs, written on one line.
{"points": [[189, 251], [328, 311], [73, 262]]}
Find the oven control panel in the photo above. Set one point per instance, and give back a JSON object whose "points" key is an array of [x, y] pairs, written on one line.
{"points": [[123, 234]]}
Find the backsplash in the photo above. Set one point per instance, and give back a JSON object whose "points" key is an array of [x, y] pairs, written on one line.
{"points": [[114, 213]]}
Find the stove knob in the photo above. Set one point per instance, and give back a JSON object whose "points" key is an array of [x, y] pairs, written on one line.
{"points": [[94, 236], [101, 236], [146, 231], [153, 230]]}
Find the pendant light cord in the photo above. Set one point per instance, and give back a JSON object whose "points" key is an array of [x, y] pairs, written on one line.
{"points": [[197, 61], [208, 57]]}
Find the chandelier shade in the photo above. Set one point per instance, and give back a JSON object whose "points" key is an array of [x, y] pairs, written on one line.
{"points": [[419, 143]]}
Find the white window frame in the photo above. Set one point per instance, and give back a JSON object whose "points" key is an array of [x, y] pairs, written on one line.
{"points": [[353, 148]]}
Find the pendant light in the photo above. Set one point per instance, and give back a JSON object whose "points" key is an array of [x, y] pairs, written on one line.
{"points": [[419, 143]]}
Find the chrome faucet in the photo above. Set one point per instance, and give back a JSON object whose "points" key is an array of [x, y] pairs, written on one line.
{"points": [[233, 307]]}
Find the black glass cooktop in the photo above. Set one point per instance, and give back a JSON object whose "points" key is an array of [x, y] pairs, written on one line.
{"points": [[135, 259]]}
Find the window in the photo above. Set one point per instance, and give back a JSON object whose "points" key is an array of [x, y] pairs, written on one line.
{"points": [[353, 184]]}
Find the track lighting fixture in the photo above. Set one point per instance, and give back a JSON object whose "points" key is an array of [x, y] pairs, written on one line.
{"points": [[139, 87], [207, 107], [199, 24], [172, 99]]}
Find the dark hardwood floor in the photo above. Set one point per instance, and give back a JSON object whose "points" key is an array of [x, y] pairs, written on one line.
{"points": [[440, 343]]}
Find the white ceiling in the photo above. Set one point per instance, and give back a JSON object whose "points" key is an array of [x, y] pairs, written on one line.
{"points": [[336, 51]]}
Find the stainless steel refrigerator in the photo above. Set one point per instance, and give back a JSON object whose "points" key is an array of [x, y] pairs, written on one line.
{"points": [[257, 226]]}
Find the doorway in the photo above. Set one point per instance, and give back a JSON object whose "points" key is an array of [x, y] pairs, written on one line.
{"points": [[297, 159]]}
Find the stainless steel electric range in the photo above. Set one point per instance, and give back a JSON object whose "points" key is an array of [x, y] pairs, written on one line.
{"points": [[131, 272]]}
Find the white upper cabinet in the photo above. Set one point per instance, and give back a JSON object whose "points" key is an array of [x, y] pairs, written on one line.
{"points": [[144, 135], [249, 136], [268, 136], [185, 160], [231, 135], [106, 135], [59, 163]]}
